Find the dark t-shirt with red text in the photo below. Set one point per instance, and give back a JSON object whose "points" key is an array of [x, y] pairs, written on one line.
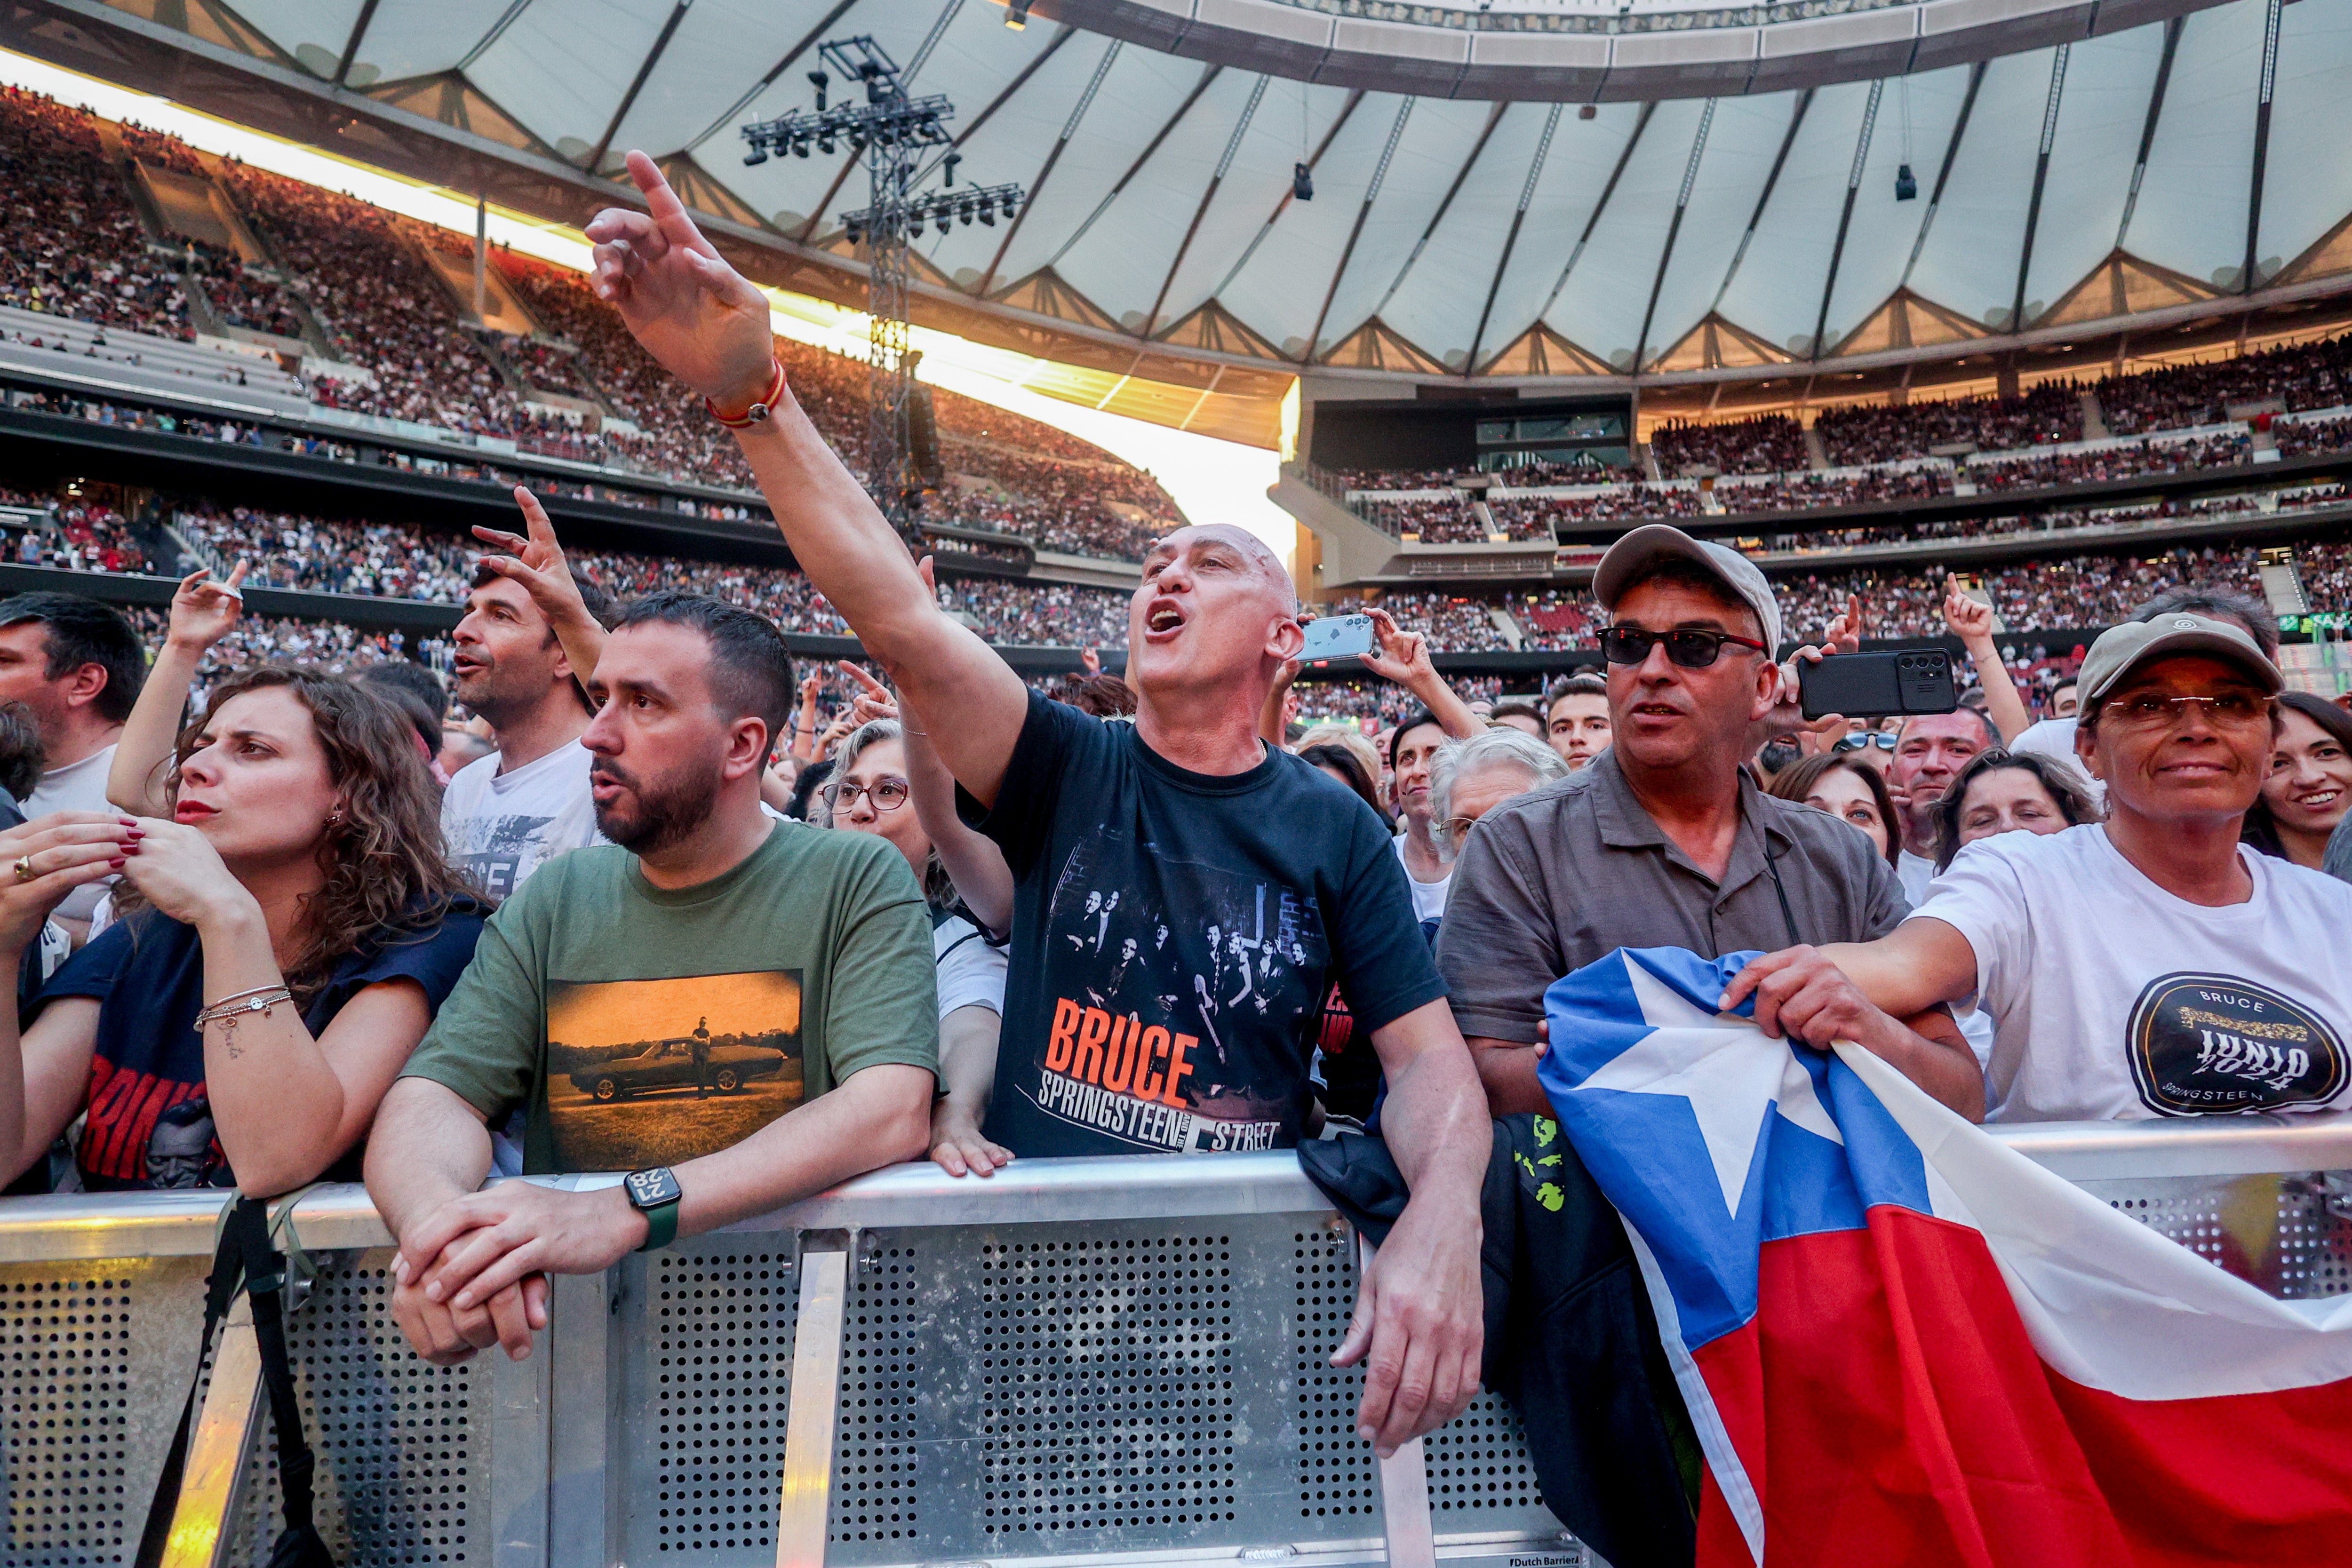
{"points": [[1174, 938]]}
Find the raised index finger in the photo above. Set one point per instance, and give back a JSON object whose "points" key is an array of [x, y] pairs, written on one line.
{"points": [[868, 682], [669, 213]]}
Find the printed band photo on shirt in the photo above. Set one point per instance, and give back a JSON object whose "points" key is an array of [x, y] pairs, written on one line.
{"points": [[651, 1072], [493, 848], [1186, 1035], [2201, 1044]]}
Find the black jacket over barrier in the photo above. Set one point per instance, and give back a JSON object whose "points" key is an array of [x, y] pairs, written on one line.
{"points": [[1570, 1338]]}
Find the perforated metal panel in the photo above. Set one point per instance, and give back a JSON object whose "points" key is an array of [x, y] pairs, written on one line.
{"points": [[1107, 1399], [402, 1446], [711, 1343], [1338, 1492], [2290, 1235], [876, 1480], [1478, 1468], [90, 1355]]}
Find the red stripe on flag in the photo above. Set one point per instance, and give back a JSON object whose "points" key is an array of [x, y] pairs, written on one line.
{"points": [[1904, 1417], [2246, 1477]]}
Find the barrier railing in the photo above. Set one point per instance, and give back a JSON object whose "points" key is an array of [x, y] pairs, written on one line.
{"points": [[1106, 1362]]}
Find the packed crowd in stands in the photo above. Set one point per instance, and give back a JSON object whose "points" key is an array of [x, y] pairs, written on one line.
{"points": [[76, 246], [2300, 376], [2111, 462], [1768, 444], [1860, 433]]}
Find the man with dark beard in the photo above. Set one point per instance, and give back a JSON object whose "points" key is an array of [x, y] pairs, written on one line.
{"points": [[788, 969]]}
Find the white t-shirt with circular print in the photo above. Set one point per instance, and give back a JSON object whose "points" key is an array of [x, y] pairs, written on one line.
{"points": [[2114, 999]]}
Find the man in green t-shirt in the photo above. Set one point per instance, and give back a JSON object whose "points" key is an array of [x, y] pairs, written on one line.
{"points": [[736, 1009]]}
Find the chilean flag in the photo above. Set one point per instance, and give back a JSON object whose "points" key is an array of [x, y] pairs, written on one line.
{"points": [[1903, 1342]]}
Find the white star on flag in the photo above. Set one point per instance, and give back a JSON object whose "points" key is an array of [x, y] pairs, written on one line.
{"points": [[1710, 1061]]}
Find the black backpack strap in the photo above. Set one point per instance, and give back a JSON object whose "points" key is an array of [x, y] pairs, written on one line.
{"points": [[265, 1283], [220, 1291]]}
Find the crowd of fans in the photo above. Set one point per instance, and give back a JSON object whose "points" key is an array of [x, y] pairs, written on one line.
{"points": [[334, 929], [76, 246], [2301, 376], [1768, 444], [1862, 434]]}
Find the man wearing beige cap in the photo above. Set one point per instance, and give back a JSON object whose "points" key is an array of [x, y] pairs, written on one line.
{"points": [[1661, 841], [2146, 966]]}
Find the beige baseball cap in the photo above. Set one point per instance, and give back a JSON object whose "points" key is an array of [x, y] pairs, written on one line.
{"points": [[2121, 649], [1633, 554]]}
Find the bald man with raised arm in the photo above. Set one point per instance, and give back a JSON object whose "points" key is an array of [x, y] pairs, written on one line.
{"points": [[1186, 896]]}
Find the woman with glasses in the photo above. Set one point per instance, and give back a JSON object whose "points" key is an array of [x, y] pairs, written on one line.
{"points": [[2150, 964], [871, 791]]}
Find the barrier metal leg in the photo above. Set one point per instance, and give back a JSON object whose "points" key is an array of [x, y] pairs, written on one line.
{"points": [[1405, 1482], [212, 1488], [816, 1404]]}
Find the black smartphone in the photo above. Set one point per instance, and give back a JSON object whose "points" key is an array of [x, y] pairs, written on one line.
{"points": [[1872, 686]]}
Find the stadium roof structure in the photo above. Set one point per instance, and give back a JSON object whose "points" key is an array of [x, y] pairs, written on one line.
{"points": [[1565, 193]]}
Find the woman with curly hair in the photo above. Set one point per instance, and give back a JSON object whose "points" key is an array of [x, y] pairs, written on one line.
{"points": [[282, 942]]}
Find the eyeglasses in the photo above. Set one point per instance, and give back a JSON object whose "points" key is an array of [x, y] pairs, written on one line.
{"points": [[1689, 648], [2150, 711], [887, 795], [1883, 739]]}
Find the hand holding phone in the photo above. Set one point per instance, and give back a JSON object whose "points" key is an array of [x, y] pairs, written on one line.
{"points": [[1910, 681], [1338, 637]]}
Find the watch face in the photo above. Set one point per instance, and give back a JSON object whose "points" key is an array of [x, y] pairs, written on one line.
{"points": [[652, 1189]]}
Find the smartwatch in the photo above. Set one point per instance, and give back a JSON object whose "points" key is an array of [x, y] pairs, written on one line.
{"points": [[655, 1193]]}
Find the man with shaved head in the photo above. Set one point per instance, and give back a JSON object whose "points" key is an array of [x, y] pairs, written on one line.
{"points": [[1185, 897]]}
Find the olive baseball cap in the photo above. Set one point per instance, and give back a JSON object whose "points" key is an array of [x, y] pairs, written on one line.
{"points": [[1632, 556], [2121, 649]]}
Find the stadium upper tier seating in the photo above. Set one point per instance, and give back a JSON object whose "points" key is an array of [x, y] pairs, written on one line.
{"points": [[400, 344]]}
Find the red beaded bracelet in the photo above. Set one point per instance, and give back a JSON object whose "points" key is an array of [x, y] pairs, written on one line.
{"points": [[758, 411]]}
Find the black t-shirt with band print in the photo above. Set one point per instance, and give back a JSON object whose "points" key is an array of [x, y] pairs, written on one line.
{"points": [[1174, 938]]}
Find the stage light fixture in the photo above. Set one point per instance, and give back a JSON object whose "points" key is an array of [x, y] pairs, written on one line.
{"points": [[1017, 15], [1906, 185], [819, 81], [1302, 182], [755, 157]]}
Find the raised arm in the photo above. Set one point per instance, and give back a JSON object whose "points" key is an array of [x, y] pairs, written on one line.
{"points": [[973, 861], [1971, 622], [538, 564], [708, 327], [203, 612], [1403, 657], [1274, 718]]}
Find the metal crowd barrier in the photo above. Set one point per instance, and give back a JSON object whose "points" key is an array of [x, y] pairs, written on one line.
{"points": [[1078, 1362]]}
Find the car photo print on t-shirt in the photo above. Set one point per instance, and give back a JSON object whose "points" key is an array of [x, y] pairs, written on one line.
{"points": [[1186, 1035], [654, 1072], [2202, 1044]]}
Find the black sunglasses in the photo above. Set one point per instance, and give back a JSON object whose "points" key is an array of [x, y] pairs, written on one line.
{"points": [[1691, 649], [1883, 739]]}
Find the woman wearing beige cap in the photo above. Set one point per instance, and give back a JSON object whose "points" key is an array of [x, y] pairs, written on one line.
{"points": [[2146, 966]]}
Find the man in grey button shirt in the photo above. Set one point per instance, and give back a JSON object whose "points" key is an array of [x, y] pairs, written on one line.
{"points": [[1664, 842]]}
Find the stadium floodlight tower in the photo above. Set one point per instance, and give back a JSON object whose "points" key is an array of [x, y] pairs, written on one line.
{"points": [[895, 134]]}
